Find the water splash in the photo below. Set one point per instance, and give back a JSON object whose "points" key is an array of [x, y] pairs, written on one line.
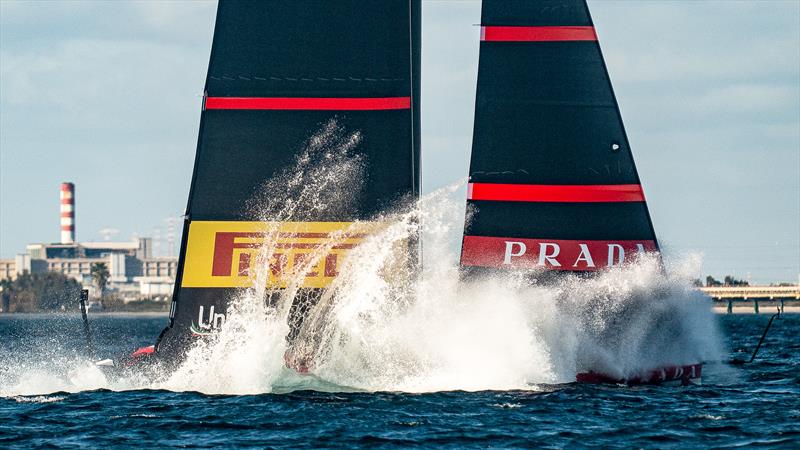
{"points": [[388, 323], [439, 332], [389, 326], [46, 372]]}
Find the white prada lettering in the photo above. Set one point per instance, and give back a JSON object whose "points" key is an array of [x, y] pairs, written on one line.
{"points": [[616, 255], [584, 256], [521, 248], [550, 258]]}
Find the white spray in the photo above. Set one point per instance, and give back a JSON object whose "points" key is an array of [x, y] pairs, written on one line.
{"points": [[385, 324]]}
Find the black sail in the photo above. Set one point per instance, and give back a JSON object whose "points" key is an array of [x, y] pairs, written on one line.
{"points": [[552, 181], [280, 71]]}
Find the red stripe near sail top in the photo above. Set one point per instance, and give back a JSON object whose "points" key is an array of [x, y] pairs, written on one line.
{"points": [[537, 34], [554, 254], [309, 103], [570, 193]]}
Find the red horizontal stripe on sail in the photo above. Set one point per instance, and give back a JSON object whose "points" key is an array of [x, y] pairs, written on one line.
{"points": [[555, 254], [537, 34], [557, 193], [309, 103], [67, 227], [68, 201]]}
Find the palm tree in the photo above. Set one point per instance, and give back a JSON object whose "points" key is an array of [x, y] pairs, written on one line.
{"points": [[100, 276]]}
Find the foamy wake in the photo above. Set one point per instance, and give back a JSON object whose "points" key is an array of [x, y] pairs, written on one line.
{"points": [[392, 331], [384, 326]]}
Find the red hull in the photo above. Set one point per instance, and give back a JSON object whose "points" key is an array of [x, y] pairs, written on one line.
{"points": [[685, 375]]}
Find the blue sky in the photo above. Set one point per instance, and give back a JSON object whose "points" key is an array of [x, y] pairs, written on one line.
{"points": [[106, 94]]}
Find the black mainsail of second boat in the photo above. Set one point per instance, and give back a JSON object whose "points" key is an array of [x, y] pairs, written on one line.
{"points": [[279, 70], [552, 179], [552, 182]]}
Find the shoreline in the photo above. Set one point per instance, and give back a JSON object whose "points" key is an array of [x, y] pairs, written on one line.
{"points": [[91, 314]]}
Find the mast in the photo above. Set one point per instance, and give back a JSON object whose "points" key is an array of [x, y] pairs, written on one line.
{"points": [[280, 71], [552, 180]]}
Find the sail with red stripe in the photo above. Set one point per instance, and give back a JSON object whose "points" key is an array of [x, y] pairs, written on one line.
{"points": [[552, 180], [284, 76]]}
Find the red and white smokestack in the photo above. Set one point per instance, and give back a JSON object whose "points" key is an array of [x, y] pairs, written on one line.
{"points": [[67, 213]]}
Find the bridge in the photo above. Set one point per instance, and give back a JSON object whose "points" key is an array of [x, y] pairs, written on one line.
{"points": [[752, 292], [731, 294]]}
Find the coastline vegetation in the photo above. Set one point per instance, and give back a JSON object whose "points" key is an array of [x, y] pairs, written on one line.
{"points": [[727, 281], [40, 292], [55, 292]]}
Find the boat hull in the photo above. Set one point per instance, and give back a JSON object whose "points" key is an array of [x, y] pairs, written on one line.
{"points": [[669, 375]]}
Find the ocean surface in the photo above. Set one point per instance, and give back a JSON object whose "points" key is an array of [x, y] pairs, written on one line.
{"points": [[43, 405]]}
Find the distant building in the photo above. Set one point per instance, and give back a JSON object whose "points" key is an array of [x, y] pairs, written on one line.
{"points": [[8, 269], [140, 249], [133, 271]]}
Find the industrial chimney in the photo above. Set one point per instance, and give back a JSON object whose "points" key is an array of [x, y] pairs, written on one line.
{"points": [[67, 213]]}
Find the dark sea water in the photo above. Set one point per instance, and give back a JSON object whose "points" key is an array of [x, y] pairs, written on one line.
{"points": [[755, 405]]}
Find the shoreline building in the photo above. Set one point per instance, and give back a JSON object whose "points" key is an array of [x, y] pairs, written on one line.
{"points": [[134, 273]]}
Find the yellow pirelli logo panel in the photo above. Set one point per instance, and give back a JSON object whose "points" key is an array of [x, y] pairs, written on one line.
{"points": [[235, 254]]}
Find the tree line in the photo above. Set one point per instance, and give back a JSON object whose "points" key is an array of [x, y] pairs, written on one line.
{"points": [[48, 291], [727, 281]]}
